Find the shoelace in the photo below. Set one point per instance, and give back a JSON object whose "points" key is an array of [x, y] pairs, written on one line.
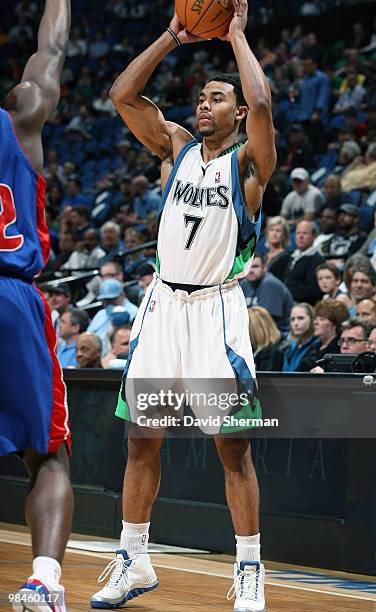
{"points": [[247, 589], [117, 567]]}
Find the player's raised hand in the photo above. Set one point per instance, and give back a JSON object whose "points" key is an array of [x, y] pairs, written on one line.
{"points": [[182, 34], [239, 20]]}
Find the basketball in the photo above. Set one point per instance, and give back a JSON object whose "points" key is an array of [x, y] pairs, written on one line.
{"points": [[205, 18]]}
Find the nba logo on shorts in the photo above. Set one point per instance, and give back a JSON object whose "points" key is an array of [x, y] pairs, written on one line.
{"points": [[152, 305], [217, 177]]}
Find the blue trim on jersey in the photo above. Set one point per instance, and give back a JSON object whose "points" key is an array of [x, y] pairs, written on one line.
{"points": [[171, 178], [246, 225]]}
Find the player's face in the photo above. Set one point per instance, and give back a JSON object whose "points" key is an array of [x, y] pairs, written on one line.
{"points": [[216, 109]]}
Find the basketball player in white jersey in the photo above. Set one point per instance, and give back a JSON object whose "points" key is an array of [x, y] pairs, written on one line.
{"points": [[193, 321]]}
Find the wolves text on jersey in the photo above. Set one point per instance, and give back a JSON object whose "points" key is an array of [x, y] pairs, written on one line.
{"points": [[201, 196]]}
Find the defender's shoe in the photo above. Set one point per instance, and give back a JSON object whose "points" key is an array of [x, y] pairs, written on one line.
{"points": [[37, 596], [248, 587], [129, 578]]}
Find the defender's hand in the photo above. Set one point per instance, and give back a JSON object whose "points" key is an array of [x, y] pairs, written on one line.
{"points": [[239, 20], [182, 34]]}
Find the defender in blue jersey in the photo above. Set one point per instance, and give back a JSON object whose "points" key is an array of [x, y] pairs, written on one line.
{"points": [[33, 408], [193, 321]]}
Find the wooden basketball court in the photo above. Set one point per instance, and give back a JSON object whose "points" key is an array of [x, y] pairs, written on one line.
{"points": [[189, 583]]}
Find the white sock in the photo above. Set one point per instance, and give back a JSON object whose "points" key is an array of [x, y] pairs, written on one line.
{"points": [[47, 568], [248, 548], [134, 538]]}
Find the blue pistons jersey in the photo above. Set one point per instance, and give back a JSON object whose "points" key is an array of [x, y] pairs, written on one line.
{"points": [[24, 237]]}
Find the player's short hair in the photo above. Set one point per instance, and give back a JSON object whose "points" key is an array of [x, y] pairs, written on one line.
{"points": [[233, 79]]}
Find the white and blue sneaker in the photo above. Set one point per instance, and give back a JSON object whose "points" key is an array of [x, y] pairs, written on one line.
{"points": [[248, 587], [37, 596], [129, 578]]}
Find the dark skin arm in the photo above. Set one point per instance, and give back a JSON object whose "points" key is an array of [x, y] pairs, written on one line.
{"points": [[257, 158], [140, 114], [33, 101]]}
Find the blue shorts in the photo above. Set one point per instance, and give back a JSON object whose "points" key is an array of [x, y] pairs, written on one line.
{"points": [[33, 406]]}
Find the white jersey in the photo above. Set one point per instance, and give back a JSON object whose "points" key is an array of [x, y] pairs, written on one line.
{"points": [[205, 236]]}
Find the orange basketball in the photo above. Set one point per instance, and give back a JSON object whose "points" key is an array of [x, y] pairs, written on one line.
{"points": [[205, 18]]}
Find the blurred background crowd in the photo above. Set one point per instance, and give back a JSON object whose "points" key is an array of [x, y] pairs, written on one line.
{"points": [[312, 287]]}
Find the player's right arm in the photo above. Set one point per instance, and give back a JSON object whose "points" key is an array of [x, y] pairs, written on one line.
{"points": [[36, 97], [140, 114]]}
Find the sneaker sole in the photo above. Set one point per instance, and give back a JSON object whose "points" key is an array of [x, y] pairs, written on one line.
{"points": [[247, 610], [106, 605]]}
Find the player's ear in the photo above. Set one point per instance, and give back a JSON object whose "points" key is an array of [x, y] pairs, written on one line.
{"points": [[241, 113]]}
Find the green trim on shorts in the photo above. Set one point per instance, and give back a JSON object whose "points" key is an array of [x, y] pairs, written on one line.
{"points": [[157, 262], [250, 414], [122, 408]]}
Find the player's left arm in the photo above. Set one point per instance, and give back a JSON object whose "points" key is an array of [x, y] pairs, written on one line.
{"points": [[36, 97], [258, 157]]}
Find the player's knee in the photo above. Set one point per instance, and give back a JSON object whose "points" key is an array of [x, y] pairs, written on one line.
{"points": [[143, 450], [234, 454]]}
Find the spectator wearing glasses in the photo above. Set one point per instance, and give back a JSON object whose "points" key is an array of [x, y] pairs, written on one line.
{"points": [[354, 338], [304, 201], [372, 340]]}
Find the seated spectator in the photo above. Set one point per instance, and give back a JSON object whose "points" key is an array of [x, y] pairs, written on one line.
{"points": [[111, 243], [301, 324], [144, 273], [362, 174], [71, 324], [368, 247], [333, 192], [59, 299], [277, 233], [328, 225], [119, 339], [87, 254], [348, 152], [264, 336], [299, 152], [301, 277], [73, 196], [79, 221], [353, 97], [103, 103], [261, 288], [329, 316], [363, 284], [372, 340], [89, 350], [304, 202], [354, 338], [110, 269], [133, 239], [145, 200], [329, 279], [111, 293], [67, 246], [348, 239], [366, 309]]}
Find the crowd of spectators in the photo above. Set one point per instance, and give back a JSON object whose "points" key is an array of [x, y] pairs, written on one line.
{"points": [[314, 272]]}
